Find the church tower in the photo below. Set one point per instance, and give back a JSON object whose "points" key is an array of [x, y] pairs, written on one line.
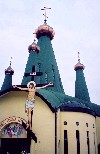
{"points": [[41, 65], [8, 78], [81, 90]]}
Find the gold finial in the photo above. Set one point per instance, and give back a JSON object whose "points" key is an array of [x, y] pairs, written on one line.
{"points": [[34, 35], [78, 56], [11, 61], [45, 8], [34, 40]]}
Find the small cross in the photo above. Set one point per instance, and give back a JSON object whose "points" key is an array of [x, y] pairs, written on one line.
{"points": [[78, 56], [11, 61], [45, 8]]}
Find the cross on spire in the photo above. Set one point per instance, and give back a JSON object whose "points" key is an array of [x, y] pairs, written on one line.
{"points": [[78, 56], [45, 14], [11, 61]]}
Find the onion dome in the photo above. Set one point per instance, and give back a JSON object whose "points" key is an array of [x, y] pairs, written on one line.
{"points": [[79, 65], [34, 47], [9, 70], [44, 30]]}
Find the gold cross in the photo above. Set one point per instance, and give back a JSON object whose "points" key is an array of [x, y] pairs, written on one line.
{"points": [[79, 56], [11, 61], [45, 9]]}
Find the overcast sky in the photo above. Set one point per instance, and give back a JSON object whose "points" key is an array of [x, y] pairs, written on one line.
{"points": [[77, 29]]}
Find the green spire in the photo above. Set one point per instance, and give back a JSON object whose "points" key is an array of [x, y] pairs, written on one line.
{"points": [[8, 78], [81, 90], [44, 60], [32, 61]]}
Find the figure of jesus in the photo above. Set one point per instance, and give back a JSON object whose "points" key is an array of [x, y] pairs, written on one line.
{"points": [[31, 88]]}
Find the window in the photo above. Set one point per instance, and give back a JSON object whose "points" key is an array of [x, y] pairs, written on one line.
{"points": [[65, 122], [39, 66], [60, 82], [59, 147], [46, 77], [77, 123], [94, 142], [65, 142], [53, 73], [87, 124], [88, 142], [78, 141], [0, 142]]}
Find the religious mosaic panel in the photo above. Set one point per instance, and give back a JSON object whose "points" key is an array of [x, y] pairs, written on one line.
{"points": [[13, 130]]}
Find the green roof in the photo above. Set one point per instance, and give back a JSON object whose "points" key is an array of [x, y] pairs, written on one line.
{"points": [[56, 99]]}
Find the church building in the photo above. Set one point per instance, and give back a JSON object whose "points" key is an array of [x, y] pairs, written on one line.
{"points": [[61, 124]]}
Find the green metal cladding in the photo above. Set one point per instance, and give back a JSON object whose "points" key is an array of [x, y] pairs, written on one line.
{"points": [[81, 90], [7, 84], [45, 62]]}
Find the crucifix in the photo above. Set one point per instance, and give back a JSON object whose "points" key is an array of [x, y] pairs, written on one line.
{"points": [[33, 74], [45, 8]]}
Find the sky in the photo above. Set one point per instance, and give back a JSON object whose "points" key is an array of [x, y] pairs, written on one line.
{"points": [[77, 29]]}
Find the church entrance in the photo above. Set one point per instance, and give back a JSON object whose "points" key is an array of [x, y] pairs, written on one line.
{"points": [[15, 146], [13, 140]]}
